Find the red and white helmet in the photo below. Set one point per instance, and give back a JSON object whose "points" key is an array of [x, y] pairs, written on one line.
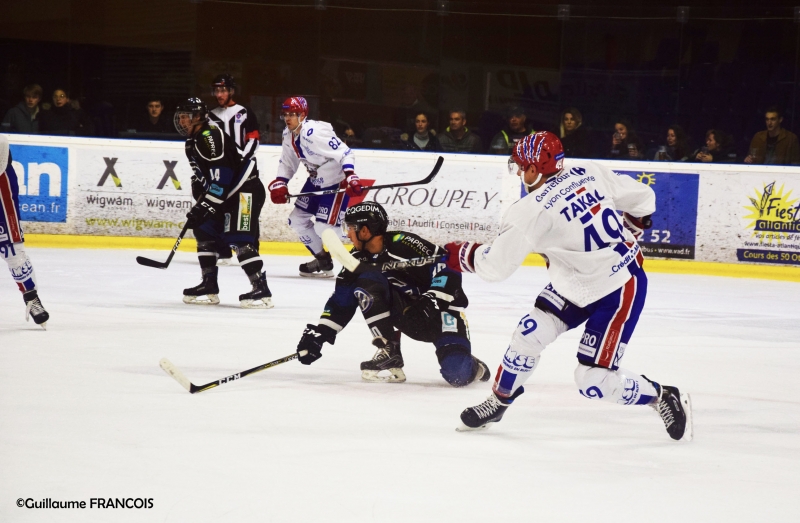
{"points": [[543, 149], [295, 104]]}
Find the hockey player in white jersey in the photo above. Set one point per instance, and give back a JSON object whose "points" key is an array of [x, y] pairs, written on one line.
{"points": [[330, 164], [12, 239], [569, 216]]}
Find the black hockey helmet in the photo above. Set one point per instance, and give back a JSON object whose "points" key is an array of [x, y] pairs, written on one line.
{"points": [[192, 107], [223, 80], [370, 214]]}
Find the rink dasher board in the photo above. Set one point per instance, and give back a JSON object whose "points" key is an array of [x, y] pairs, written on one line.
{"points": [[136, 188]]}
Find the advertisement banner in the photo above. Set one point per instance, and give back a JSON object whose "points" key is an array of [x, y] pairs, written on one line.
{"points": [[675, 222], [463, 202], [130, 192], [769, 218], [43, 177]]}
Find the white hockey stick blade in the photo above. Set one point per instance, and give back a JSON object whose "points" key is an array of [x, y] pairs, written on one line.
{"points": [[173, 371], [3, 152], [337, 249]]}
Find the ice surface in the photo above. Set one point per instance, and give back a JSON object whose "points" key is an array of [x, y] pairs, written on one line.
{"points": [[85, 411]]}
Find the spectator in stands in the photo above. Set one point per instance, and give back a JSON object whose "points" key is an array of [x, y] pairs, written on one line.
{"points": [[574, 138], [635, 148], [423, 138], [623, 134], [24, 117], [458, 138], [155, 121], [62, 118], [775, 145], [676, 148], [516, 129], [718, 148]]}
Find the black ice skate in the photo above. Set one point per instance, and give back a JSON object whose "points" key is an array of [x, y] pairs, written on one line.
{"points": [[34, 307], [320, 267], [675, 410], [207, 293], [260, 297], [387, 358], [490, 411], [482, 373]]}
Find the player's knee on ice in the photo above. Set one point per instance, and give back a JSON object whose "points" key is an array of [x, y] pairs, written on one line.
{"points": [[457, 365], [619, 386]]}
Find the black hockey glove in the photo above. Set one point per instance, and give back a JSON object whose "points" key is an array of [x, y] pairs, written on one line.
{"points": [[201, 211], [309, 349]]}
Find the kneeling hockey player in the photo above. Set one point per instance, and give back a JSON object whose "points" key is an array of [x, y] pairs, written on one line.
{"points": [[231, 202], [595, 266], [426, 303], [12, 246]]}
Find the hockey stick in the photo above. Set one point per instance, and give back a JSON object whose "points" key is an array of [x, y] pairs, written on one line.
{"points": [[181, 378], [340, 253], [147, 262], [425, 180]]}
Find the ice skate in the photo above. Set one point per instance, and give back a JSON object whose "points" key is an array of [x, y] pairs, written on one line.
{"points": [[320, 267], [207, 293], [675, 410], [490, 411], [260, 297], [482, 373], [34, 307], [387, 358]]}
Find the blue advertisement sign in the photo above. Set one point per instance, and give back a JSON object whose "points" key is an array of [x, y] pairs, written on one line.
{"points": [[675, 221], [43, 174]]}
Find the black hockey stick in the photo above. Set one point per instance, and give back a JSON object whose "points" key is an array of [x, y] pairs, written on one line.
{"points": [[173, 371], [340, 253], [425, 180], [147, 262]]}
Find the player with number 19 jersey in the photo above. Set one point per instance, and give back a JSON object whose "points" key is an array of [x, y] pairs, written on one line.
{"points": [[572, 222], [570, 217]]}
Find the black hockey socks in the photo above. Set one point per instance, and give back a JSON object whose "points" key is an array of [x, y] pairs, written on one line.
{"points": [[249, 259]]}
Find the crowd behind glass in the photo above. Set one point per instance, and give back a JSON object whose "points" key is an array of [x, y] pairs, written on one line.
{"points": [[59, 114]]}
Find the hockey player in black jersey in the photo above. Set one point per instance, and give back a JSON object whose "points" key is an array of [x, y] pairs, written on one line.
{"points": [[425, 303], [229, 206], [240, 125]]}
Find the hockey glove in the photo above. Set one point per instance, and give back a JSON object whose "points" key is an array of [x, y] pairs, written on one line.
{"points": [[198, 187], [353, 185], [309, 349], [278, 192], [636, 226], [461, 256], [201, 211]]}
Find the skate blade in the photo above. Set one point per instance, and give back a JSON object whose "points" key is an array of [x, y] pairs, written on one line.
{"points": [[465, 428], [227, 262], [43, 325], [208, 299], [319, 274], [395, 376], [262, 303], [688, 433]]}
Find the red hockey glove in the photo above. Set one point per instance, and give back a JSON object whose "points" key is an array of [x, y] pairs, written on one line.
{"points": [[353, 185], [637, 226], [461, 256], [278, 192]]}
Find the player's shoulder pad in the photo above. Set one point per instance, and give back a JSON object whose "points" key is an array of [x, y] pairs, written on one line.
{"points": [[410, 244], [316, 129], [210, 143]]}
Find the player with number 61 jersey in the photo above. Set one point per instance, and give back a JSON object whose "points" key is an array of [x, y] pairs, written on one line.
{"points": [[330, 164], [570, 216]]}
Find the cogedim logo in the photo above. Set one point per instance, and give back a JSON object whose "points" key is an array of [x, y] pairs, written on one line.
{"points": [[42, 174]]}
